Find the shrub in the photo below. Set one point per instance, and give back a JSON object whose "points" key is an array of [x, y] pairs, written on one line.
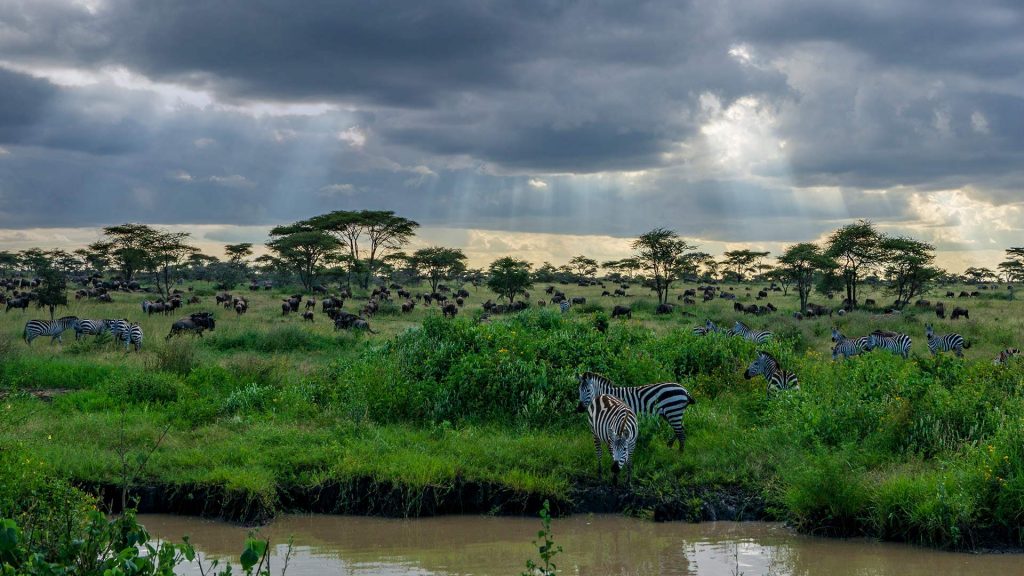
{"points": [[177, 356], [144, 388], [249, 399]]}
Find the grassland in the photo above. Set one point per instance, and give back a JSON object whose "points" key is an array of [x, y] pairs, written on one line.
{"points": [[430, 415]]}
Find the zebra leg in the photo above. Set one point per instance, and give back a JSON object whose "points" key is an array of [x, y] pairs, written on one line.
{"points": [[679, 434], [597, 450]]}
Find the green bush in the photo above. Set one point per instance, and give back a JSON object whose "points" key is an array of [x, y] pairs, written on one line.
{"points": [[144, 388], [177, 356]]}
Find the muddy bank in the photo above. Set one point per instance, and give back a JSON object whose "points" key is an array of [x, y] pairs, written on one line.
{"points": [[367, 497]]}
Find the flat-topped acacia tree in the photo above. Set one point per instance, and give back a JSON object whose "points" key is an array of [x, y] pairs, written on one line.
{"points": [[509, 277]]}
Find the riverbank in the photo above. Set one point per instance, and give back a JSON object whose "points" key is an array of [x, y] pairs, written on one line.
{"points": [[450, 416]]}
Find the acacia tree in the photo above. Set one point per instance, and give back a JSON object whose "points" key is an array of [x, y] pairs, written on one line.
{"points": [[908, 267], [166, 251], [379, 231], [660, 251], [741, 261], [8, 262], [52, 291], [801, 262], [302, 249], [1013, 267], [508, 277], [438, 263], [583, 267], [126, 245], [856, 249], [976, 274]]}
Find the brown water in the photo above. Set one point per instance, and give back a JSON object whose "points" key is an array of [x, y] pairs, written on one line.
{"points": [[593, 545]]}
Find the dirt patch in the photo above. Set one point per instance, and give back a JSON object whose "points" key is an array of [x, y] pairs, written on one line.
{"points": [[44, 394]]}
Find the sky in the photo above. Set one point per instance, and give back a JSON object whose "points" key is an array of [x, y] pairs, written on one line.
{"points": [[539, 129]]}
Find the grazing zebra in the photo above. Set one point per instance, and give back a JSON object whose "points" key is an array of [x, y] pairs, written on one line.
{"points": [[92, 327], [945, 342], [894, 342], [131, 334], [1005, 356], [847, 347], [52, 328], [613, 423], [706, 329], [666, 399], [778, 379], [755, 336], [564, 306]]}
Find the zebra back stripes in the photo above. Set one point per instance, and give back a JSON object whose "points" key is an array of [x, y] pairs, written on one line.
{"points": [[945, 342], [755, 336], [614, 423], [92, 327], [1005, 356], [894, 342], [666, 399], [51, 328], [132, 334], [847, 347], [778, 379], [564, 306]]}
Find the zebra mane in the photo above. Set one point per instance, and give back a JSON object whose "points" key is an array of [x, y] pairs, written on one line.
{"points": [[742, 325], [770, 357], [595, 377]]}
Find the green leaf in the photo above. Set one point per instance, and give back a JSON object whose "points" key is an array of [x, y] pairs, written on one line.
{"points": [[249, 558]]}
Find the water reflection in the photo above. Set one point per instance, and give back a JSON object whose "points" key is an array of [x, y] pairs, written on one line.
{"points": [[594, 545]]}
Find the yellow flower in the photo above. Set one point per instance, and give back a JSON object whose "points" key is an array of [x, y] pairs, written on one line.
{"points": [[503, 351]]}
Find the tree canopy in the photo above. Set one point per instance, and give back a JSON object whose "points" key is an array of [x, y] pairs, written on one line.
{"points": [[509, 277]]}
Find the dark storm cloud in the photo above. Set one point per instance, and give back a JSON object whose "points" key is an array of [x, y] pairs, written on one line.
{"points": [[445, 111]]}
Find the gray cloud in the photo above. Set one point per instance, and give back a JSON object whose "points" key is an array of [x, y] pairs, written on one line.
{"points": [[457, 105]]}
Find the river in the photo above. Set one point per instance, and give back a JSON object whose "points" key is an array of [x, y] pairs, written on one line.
{"points": [[593, 545]]}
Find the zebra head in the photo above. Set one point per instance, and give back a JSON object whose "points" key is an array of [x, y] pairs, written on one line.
{"points": [[710, 326], [837, 336], [620, 445], [871, 343], [760, 365], [589, 389], [929, 332]]}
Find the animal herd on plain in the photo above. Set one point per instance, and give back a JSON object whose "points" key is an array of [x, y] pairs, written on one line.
{"points": [[612, 411]]}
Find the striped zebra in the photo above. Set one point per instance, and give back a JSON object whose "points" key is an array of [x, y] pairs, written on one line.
{"points": [[92, 328], [894, 342], [755, 336], [709, 327], [666, 399], [847, 347], [778, 379], [945, 342], [564, 306], [1005, 356], [131, 334], [612, 422], [51, 328]]}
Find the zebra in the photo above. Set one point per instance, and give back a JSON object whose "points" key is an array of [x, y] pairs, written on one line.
{"points": [[666, 399], [52, 328], [564, 306], [894, 342], [92, 327], [130, 333], [613, 422], [847, 347], [945, 342], [778, 379], [1005, 356], [755, 336], [708, 328]]}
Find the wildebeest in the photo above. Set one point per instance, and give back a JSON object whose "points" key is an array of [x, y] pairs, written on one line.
{"points": [[690, 301], [449, 310], [958, 312], [307, 315], [460, 302], [285, 308], [622, 311], [737, 307], [195, 323], [663, 309], [940, 310], [311, 303]]}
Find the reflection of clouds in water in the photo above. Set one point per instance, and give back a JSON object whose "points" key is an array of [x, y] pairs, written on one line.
{"points": [[593, 545]]}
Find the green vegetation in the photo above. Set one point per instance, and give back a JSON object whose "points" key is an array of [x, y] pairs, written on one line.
{"points": [[266, 412]]}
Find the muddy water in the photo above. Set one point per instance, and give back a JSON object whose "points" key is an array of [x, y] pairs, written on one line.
{"points": [[593, 545]]}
